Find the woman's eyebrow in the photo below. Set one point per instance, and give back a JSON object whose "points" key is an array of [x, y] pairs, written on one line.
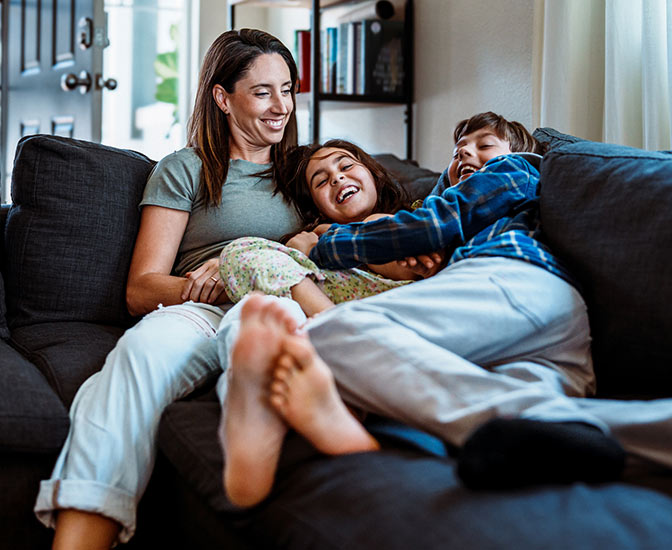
{"points": [[268, 85]]}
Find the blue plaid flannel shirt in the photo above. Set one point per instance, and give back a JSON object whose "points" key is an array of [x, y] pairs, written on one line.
{"points": [[494, 212]]}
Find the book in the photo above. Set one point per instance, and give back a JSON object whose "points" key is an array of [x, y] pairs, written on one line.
{"points": [[330, 69], [346, 60], [303, 59], [382, 57]]}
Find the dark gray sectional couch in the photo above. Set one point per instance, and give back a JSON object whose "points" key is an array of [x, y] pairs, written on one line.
{"points": [[65, 251]]}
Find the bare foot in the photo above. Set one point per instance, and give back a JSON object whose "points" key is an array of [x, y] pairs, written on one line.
{"points": [[251, 432], [304, 393]]}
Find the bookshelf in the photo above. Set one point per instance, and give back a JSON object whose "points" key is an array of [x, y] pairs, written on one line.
{"points": [[402, 94]]}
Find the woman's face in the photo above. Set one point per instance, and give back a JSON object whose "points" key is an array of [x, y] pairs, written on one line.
{"points": [[472, 151], [259, 107], [342, 188]]}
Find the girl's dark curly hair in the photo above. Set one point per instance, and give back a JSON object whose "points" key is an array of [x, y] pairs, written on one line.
{"points": [[391, 196]]}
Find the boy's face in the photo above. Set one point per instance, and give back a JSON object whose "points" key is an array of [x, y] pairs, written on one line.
{"points": [[472, 151]]}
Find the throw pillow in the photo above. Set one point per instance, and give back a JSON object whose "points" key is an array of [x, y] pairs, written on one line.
{"points": [[605, 210], [70, 231]]}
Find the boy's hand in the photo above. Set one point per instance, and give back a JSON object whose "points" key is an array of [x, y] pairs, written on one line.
{"points": [[306, 240], [425, 265]]}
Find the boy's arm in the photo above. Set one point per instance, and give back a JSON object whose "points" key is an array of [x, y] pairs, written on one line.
{"points": [[443, 222]]}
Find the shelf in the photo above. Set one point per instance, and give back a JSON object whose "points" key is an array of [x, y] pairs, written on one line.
{"points": [[353, 98], [289, 3]]}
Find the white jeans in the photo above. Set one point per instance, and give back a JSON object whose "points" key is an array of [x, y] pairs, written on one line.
{"points": [[108, 456], [484, 338], [109, 453]]}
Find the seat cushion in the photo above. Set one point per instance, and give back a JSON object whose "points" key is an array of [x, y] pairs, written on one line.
{"points": [[70, 231], [66, 353], [606, 211], [403, 497], [32, 418]]}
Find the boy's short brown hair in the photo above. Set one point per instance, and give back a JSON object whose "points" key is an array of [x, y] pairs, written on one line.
{"points": [[519, 138]]}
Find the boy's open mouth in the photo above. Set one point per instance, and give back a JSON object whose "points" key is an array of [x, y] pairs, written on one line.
{"points": [[467, 170]]}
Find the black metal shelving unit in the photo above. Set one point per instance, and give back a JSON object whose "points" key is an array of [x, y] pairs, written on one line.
{"points": [[317, 97]]}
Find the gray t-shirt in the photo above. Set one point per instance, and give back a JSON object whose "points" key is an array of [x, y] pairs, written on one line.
{"points": [[248, 206]]}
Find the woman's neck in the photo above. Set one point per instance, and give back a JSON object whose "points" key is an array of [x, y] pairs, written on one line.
{"points": [[258, 155]]}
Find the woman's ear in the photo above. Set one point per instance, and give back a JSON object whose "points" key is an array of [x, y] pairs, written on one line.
{"points": [[221, 97]]}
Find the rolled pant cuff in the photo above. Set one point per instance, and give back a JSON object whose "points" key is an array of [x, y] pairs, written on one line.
{"points": [[86, 496]]}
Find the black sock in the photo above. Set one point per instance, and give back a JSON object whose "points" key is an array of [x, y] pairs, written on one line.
{"points": [[510, 453]]}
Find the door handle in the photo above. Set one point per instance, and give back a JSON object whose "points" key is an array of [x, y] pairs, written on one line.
{"points": [[110, 83], [71, 81]]}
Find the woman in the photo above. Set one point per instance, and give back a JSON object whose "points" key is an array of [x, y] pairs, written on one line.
{"points": [[196, 200]]}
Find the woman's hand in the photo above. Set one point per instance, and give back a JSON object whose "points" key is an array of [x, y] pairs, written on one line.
{"points": [[425, 265], [204, 284], [306, 240]]}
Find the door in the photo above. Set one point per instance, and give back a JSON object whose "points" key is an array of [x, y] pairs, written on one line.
{"points": [[52, 71]]}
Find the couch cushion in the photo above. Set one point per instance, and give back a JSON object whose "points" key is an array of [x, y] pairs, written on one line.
{"points": [[403, 498], [4, 331], [606, 210], [66, 353], [32, 418], [70, 231], [552, 139], [417, 182]]}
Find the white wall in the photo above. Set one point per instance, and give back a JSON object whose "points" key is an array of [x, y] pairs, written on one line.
{"points": [[470, 56]]}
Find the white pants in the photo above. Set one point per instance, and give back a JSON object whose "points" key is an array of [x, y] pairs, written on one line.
{"points": [[484, 338], [109, 453], [108, 456]]}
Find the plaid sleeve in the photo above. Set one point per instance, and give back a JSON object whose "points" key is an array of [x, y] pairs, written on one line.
{"points": [[444, 221]]}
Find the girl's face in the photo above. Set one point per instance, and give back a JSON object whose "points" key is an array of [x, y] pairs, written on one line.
{"points": [[472, 151], [342, 188], [259, 107]]}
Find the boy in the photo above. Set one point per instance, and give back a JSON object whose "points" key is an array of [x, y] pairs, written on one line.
{"points": [[487, 354]]}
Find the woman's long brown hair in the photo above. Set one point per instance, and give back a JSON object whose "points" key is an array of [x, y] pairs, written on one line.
{"points": [[227, 61]]}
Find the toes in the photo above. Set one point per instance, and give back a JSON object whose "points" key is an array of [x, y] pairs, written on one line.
{"points": [[300, 349], [278, 401]]}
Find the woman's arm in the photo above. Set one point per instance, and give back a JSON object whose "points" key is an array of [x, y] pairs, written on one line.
{"points": [[149, 280]]}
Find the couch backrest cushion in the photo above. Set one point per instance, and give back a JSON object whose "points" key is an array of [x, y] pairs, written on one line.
{"points": [[70, 231], [607, 211], [4, 331], [418, 182]]}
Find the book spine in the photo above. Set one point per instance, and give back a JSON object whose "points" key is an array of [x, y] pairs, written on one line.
{"points": [[304, 60], [332, 44]]}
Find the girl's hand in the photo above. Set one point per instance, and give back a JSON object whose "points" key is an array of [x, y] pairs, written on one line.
{"points": [[306, 240], [425, 265], [204, 284]]}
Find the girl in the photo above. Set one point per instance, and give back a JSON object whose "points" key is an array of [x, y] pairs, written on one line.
{"points": [[332, 183]]}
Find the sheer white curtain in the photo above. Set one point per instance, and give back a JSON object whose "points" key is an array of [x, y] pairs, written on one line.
{"points": [[604, 70]]}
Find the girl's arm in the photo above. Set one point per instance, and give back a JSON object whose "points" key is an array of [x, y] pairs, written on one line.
{"points": [[149, 280]]}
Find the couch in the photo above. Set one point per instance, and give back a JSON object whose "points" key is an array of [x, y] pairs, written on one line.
{"points": [[65, 251]]}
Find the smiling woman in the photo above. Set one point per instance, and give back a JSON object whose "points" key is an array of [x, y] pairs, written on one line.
{"points": [[195, 202]]}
